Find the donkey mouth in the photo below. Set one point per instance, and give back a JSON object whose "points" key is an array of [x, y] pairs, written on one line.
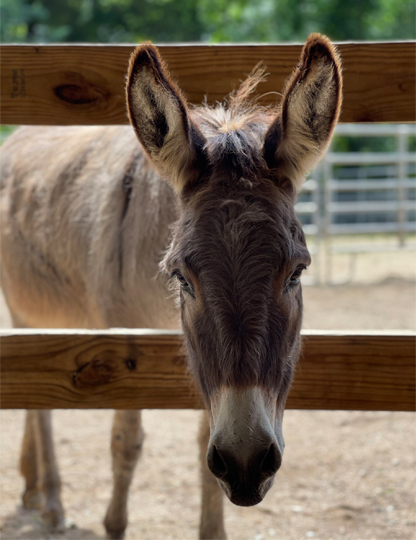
{"points": [[246, 494]]}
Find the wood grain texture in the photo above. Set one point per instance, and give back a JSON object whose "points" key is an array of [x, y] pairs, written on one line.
{"points": [[145, 369], [84, 84]]}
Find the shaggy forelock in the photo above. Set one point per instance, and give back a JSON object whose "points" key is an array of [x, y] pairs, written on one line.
{"points": [[235, 130]]}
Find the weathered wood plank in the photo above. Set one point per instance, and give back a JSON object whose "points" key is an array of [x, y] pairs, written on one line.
{"points": [[84, 84], [146, 369]]}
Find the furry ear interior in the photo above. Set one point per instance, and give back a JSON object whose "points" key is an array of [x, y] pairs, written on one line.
{"points": [[310, 109], [159, 115]]}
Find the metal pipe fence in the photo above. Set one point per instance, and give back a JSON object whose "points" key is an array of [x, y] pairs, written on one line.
{"points": [[360, 193]]}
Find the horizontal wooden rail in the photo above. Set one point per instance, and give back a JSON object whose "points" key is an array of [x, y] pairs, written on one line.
{"points": [[125, 369], [84, 84]]}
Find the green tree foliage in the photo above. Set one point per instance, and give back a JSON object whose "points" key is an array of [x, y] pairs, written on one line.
{"points": [[102, 21], [204, 20]]}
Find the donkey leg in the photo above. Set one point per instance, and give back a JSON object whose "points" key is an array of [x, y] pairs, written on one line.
{"points": [[126, 446], [49, 482], [211, 520], [31, 497]]}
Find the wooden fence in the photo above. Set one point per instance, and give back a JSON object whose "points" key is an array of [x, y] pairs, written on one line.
{"points": [[125, 369], [83, 85]]}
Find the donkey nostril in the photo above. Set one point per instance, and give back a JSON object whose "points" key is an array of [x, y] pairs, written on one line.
{"points": [[271, 462], [217, 464]]}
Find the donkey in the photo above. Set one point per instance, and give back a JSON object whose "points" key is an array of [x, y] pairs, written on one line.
{"points": [[87, 215]]}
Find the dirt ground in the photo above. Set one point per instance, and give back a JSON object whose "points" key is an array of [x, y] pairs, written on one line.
{"points": [[345, 475]]}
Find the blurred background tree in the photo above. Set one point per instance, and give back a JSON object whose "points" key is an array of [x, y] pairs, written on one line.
{"points": [[95, 21]]}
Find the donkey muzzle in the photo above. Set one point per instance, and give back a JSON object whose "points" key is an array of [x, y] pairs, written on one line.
{"points": [[243, 451]]}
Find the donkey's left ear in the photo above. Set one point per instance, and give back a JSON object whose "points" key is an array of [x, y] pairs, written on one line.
{"points": [[310, 109], [159, 115]]}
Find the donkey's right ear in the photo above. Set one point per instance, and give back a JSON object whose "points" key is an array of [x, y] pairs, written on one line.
{"points": [[159, 115]]}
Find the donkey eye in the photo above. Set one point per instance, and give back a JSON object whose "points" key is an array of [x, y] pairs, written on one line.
{"points": [[295, 278], [181, 280], [185, 286]]}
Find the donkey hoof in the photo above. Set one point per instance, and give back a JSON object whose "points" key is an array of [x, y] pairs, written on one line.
{"points": [[114, 534], [53, 517], [32, 499], [115, 527], [211, 533]]}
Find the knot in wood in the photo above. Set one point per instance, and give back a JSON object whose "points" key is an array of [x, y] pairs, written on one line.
{"points": [[130, 363]]}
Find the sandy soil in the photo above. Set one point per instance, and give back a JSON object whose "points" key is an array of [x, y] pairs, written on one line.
{"points": [[345, 475]]}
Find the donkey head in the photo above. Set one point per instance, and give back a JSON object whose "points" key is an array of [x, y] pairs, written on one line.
{"points": [[238, 251]]}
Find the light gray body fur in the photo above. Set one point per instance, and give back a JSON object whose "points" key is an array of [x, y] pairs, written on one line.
{"points": [[85, 223]]}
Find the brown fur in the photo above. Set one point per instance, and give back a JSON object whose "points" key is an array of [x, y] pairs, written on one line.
{"points": [[86, 220]]}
